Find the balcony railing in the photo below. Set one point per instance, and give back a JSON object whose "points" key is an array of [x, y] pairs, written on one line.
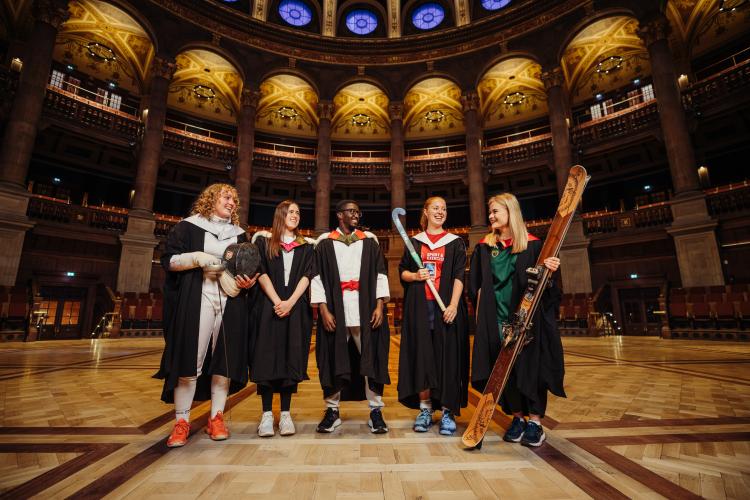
{"points": [[618, 124], [513, 148], [79, 109]]}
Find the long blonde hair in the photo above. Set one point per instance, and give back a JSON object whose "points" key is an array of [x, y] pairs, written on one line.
{"points": [[515, 222], [204, 204], [427, 203], [278, 227]]}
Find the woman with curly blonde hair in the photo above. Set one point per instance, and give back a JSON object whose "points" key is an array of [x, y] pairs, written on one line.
{"points": [[205, 313]]}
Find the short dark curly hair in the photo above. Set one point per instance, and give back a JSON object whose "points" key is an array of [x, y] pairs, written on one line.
{"points": [[340, 205]]}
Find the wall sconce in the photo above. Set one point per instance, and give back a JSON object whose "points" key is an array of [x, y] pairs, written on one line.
{"points": [[703, 176], [683, 81], [16, 64]]}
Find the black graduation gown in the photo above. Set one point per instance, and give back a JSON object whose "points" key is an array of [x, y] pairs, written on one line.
{"points": [[281, 345], [436, 360], [182, 306], [340, 366], [540, 364]]}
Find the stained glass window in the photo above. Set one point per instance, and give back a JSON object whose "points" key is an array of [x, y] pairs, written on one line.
{"points": [[427, 16], [295, 12], [361, 22], [494, 4]]}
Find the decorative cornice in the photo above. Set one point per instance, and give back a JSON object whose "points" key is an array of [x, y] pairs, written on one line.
{"points": [[325, 110], [396, 110], [553, 78], [470, 101], [654, 30], [52, 12], [273, 38], [163, 68], [250, 98]]}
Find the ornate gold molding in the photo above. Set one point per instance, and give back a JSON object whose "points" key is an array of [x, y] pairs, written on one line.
{"points": [[325, 110], [250, 97], [52, 12], [163, 68], [654, 30], [394, 23], [396, 110], [470, 101], [553, 78], [462, 12], [329, 12]]}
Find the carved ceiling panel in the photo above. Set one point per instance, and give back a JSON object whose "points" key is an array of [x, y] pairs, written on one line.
{"points": [[207, 85], [432, 108], [512, 91], [124, 49], [361, 114], [604, 56], [288, 105], [702, 25]]}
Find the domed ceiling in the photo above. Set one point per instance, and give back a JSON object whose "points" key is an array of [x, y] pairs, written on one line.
{"points": [[288, 106]]}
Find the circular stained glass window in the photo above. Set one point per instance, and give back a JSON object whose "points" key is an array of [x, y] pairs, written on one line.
{"points": [[295, 12], [427, 16], [494, 4], [361, 22]]}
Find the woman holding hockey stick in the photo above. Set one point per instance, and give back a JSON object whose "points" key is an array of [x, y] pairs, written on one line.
{"points": [[205, 313], [434, 357], [282, 325], [496, 282]]}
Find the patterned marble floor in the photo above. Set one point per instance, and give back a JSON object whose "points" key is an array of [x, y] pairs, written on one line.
{"points": [[644, 418]]}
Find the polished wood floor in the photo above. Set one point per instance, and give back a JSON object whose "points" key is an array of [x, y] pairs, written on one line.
{"points": [[644, 418]]}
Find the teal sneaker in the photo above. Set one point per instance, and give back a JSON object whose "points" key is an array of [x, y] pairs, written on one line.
{"points": [[423, 421]]}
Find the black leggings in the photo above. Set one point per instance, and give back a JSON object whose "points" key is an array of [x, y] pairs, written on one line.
{"points": [[267, 398]]}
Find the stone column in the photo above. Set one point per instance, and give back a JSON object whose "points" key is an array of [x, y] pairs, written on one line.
{"points": [[245, 147], [323, 176], [138, 241], [20, 134], [554, 83], [475, 176], [575, 266], [693, 230], [394, 19], [398, 174]]}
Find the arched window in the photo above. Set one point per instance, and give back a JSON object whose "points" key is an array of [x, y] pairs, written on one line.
{"points": [[427, 16], [295, 12], [495, 4], [361, 22]]}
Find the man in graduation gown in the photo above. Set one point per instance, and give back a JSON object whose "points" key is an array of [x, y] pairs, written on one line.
{"points": [[353, 339]]}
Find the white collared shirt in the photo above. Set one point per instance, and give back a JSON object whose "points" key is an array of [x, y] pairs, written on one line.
{"points": [[288, 257], [349, 262]]}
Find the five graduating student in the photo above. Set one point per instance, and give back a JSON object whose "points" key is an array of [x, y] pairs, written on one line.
{"points": [[205, 313], [497, 281], [434, 357], [282, 323], [353, 339]]}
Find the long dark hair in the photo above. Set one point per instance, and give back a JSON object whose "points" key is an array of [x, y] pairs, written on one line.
{"points": [[279, 226]]}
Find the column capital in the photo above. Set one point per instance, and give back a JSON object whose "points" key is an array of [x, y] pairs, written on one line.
{"points": [[396, 110], [250, 98], [325, 110], [52, 12], [163, 68], [654, 30], [470, 101], [553, 77]]}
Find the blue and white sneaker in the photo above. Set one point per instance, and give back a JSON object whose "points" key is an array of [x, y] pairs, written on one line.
{"points": [[423, 421], [447, 423], [533, 435]]}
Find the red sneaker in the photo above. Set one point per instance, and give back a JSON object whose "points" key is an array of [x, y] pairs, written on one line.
{"points": [[216, 429], [179, 434]]}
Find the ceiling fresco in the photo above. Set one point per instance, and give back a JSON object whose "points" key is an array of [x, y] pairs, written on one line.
{"points": [[432, 108], [703, 25], [512, 91], [288, 105], [361, 113]]}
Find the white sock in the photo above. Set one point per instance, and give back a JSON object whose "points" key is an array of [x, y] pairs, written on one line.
{"points": [[425, 404], [286, 413], [219, 392], [183, 397]]}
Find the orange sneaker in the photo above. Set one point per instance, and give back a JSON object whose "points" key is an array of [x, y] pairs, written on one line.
{"points": [[216, 429], [179, 434]]}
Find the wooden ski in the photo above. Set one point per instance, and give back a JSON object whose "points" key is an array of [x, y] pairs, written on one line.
{"points": [[515, 332]]}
